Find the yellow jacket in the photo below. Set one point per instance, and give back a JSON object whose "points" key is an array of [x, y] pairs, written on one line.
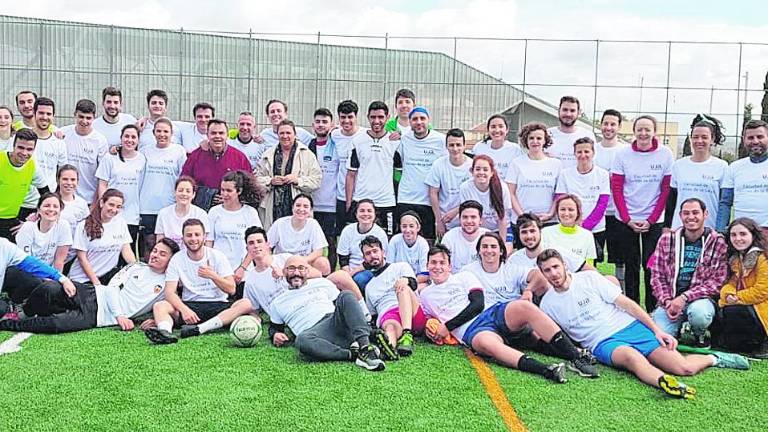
{"points": [[749, 283]]}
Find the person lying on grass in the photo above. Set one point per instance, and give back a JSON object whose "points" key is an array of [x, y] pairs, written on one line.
{"points": [[329, 325], [130, 293], [457, 300], [619, 332]]}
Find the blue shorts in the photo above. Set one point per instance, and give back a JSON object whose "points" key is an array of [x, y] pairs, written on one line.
{"points": [[635, 335], [491, 319]]}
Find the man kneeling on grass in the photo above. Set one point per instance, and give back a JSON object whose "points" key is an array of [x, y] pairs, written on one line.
{"points": [[207, 280], [619, 332], [130, 294], [457, 301], [328, 324]]}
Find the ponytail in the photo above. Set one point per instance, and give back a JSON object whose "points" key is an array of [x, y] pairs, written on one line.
{"points": [[496, 191], [94, 228]]}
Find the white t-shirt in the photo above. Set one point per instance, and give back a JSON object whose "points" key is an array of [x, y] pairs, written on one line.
{"points": [[6, 144], [325, 196], [581, 242], [349, 242], [86, 153], [701, 180], [573, 262], [285, 239], [184, 269], [469, 191], [586, 311], [448, 178], [271, 139], [43, 245], [502, 156], [749, 182], [373, 160], [228, 230], [252, 150], [463, 251], [190, 136], [418, 156], [130, 293], [261, 287], [111, 131], [415, 256], [169, 224], [147, 137], [304, 307], [73, 212], [588, 187], [103, 253], [505, 285], [342, 147], [643, 172], [562, 144], [163, 168], [127, 177], [446, 300], [380, 295], [10, 255], [536, 181], [604, 157], [50, 153]]}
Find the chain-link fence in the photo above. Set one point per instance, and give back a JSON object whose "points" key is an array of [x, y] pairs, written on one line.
{"points": [[462, 80]]}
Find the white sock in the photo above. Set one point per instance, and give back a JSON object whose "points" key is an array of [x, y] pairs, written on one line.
{"points": [[210, 325], [165, 325], [364, 308]]}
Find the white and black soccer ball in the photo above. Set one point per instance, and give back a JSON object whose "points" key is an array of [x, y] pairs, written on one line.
{"points": [[245, 331]]}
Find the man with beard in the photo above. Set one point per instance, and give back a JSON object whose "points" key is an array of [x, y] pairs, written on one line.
{"points": [[341, 139], [25, 103], [565, 134], [86, 148], [207, 280], [391, 296], [325, 196], [746, 181], [245, 141], [130, 294], [328, 324], [462, 240], [618, 331], [529, 226], [111, 123]]}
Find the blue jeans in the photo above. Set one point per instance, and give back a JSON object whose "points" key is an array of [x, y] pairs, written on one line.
{"points": [[698, 313]]}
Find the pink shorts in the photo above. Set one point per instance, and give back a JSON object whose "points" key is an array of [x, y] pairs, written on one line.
{"points": [[419, 319]]}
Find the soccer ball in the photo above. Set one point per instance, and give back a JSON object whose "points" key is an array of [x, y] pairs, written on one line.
{"points": [[245, 331]]}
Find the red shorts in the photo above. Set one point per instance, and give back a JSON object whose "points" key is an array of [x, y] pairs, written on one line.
{"points": [[419, 319]]}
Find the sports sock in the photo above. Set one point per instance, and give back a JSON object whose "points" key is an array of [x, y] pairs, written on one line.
{"points": [[210, 325], [364, 308], [531, 365], [563, 346], [166, 325]]}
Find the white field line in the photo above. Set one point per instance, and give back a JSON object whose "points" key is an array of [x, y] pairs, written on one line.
{"points": [[13, 344]]}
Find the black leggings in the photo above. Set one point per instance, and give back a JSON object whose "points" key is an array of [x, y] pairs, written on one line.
{"points": [[635, 250], [57, 313], [738, 328]]}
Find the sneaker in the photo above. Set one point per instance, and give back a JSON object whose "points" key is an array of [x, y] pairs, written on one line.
{"points": [[582, 366], [387, 351], [731, 361], [13, 312], [11, 316], [556, 373], [368, 358], [160, 337], [587, 355], [761, 352], [671, 386], [189, 331], [405, 344], [702, 341]]}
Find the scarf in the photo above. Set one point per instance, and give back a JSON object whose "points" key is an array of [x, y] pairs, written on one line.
{"points": [[283, 198]]}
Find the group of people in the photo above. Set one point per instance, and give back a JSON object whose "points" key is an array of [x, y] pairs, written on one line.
{"points": [[358, 238]]}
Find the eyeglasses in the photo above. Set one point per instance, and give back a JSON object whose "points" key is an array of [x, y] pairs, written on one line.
{"points": [[300, 268]]}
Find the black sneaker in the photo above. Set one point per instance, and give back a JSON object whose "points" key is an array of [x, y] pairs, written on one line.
{"points": [[761, 352], [556, 373], [587, 355], [381, 342], [702, 341], [189, 331], [582, 366], [368, 358], [160, 337]]}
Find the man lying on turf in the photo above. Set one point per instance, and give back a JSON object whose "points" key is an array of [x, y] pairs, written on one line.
{"points": [[619, 332], [391, 296], [263, 282], [207, 280], [130, 294], [328, 324], [457, 301]]}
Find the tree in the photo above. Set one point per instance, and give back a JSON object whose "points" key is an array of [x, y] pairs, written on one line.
{"points": [[743, 151], [764, 103], [687, 146]]}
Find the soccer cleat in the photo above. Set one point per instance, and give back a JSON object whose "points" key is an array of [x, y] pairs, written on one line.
{"points": [[405, 344], [368, 358], [582, 366], [160, 337], [731, 361], [587, 355], [556, 373], [189, 331], [380, 341], [671, 386]]}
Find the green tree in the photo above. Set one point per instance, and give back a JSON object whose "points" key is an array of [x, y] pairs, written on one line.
{"points": [[743, 151], [687, 147], [764, 103]]}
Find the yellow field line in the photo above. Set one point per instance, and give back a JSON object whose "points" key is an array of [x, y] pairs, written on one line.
{"points": [[496, 393]]}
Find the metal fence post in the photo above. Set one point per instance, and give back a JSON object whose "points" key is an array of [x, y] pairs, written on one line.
{"points": [[739, 112], [317, 71], [594, 102], [41, 63], [666, 97], [522, 101], [386, 68], [250, 66], [181, 73], [453, 81]]}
